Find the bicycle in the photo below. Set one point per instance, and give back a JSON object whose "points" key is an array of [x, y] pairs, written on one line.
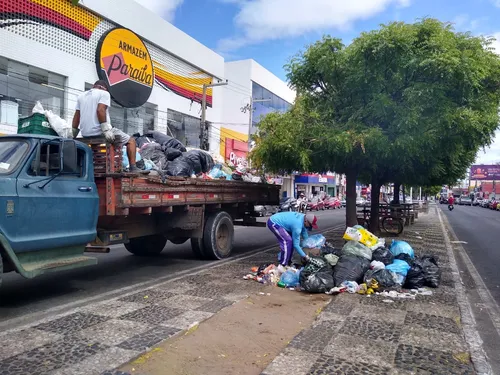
{"points": [[388, 224]]}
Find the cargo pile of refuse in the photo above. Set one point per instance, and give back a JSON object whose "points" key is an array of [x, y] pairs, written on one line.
{"points": [[169, 157], [365, 265]]}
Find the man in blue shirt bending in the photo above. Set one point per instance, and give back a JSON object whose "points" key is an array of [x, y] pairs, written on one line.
{"points": [[288, 227]]}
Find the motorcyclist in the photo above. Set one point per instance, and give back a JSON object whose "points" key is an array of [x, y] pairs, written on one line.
{"points": [[451, 202]]}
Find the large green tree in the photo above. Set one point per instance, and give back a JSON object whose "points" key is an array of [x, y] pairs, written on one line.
{"points": [[407, 103]]}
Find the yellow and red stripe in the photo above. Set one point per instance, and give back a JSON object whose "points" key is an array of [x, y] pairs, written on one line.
{"points": [[188, 87], [58, 13]]}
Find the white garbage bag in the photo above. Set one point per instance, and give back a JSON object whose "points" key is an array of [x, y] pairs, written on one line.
{"points": [[38, 108], [60, 126]]}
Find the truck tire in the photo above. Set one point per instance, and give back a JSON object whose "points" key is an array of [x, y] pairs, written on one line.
{"points": [[147, 246], [198, 248], [1, 270], [218, 236]]}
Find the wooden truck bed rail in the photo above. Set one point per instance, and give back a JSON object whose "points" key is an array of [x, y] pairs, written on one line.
{"points": [[125, 193]]}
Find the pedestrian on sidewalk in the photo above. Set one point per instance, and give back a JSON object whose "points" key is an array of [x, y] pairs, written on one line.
{"points": [[93, 120], [289, 227]]}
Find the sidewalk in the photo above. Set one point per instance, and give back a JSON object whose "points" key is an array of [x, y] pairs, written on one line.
{"points": [[365, 335], [352, 334]]}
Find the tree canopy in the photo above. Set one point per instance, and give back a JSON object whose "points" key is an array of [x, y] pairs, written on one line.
{"points": [[406, 103]]}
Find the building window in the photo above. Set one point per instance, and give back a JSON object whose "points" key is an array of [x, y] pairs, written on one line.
{"points": [[132, 120], [185, 128], [266, 102], [21, 86]]}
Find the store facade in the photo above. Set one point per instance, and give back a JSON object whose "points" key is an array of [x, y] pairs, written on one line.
{"points": [[51, 51], [314, 184]]}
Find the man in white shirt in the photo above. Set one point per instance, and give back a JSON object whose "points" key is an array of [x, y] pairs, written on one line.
{"points": [[92, 119]]}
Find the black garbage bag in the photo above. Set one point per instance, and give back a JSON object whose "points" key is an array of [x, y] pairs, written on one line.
{"points": [[407, 258], [142, 140], [180, 167], [166, 141], [328, 249], [432, 273], [154, 152], [415, 278], [172, 153], [201, 158], [384, 255], [320, 281], [236, 177], [195, 161], [385, 278], [350, 268]]}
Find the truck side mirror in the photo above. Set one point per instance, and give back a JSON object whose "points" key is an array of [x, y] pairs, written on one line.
{"points": [[68, 157]]}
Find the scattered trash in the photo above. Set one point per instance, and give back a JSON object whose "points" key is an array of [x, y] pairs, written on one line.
{"points": [[361, 235], [388, 301], [315, 241], [351, 286], [376, 265], [332, 259], [462, 242]]}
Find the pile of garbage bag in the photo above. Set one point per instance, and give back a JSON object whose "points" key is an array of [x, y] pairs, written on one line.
{"points": [[365, 265]]}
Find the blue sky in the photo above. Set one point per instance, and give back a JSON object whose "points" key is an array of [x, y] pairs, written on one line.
{"points": [[271, 31]]}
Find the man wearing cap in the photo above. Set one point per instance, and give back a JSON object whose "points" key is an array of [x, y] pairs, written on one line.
{"points": [[288, 227], [92, 119]]}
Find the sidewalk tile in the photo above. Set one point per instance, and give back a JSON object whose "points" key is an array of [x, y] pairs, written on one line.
{"points": [[22, 341], [378, 313], [148, 296], [114, 331], [349, 347], [413, 358], [50, 357], [292, 362], [431, 308], [315, 339], [96, 364], [372, 329], [185, 320], [148, 339], [71, 323], [432, 322], [185, 302], [327, 365], [431, 339], [215, 305], [152, 315], [112, 309]]}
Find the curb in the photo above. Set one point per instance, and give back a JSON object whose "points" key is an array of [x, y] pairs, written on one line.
{"points": [[469, 325]]}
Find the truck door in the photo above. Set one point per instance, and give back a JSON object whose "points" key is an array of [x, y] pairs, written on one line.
{"points": [[56, 211]]}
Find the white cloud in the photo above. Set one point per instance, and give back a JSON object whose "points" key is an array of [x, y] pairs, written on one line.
{"points": [[164, 8], [260, 20], [490, 155]]}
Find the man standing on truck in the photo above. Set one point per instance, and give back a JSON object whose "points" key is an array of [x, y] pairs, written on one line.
{"points": [[92, 119], [288, 227]]}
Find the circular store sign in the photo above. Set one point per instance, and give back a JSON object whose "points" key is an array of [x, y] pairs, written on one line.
{"points": [[123, 61]]}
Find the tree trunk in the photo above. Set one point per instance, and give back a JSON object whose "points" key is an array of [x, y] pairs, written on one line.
{"points": [[375, 206], [350, 212], [404, 194], [397, 190]]}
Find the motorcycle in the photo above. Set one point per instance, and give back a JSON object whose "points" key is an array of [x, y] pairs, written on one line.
{"points": [[289, 204], [451, 207]]}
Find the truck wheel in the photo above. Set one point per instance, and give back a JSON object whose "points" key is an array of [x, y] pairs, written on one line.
{"points": [[198, 248], [147, 246], [1, 270], [178, 240], [218, 236]]}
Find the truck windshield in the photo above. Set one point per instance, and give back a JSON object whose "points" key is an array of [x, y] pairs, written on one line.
{"points": [[11, 153]]}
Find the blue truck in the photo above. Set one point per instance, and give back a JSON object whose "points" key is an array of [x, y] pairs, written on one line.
{"points": [[60, 199]]}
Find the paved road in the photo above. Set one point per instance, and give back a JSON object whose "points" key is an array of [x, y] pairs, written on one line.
{"points": [[479, 227], [22, 301]]}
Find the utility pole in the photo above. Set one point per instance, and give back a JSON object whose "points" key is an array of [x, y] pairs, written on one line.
{"points": [[249, 108], [204, 143]]}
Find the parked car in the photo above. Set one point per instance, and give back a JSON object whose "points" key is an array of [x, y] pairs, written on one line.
{"points": [[343, 203], [493, 204], [477, 202], [288, 204], [465, 201], [263, 211], [360, 202], [332, 203]]}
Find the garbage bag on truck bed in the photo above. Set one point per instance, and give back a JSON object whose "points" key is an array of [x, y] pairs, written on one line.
{"points": [[154, 152], [180, 167], [166, 141]]}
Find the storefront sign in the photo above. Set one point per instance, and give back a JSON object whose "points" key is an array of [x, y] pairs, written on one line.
{"points": [[236, 152], [123, 60], [315, 179]]}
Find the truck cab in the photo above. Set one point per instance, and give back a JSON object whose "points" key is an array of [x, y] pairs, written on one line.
{"points": [[49, 201]]}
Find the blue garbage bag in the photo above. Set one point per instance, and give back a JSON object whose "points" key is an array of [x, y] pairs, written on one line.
{"points": [[402, 247], [315, 241], [290, 278], [399, 266], [125, 161]]}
